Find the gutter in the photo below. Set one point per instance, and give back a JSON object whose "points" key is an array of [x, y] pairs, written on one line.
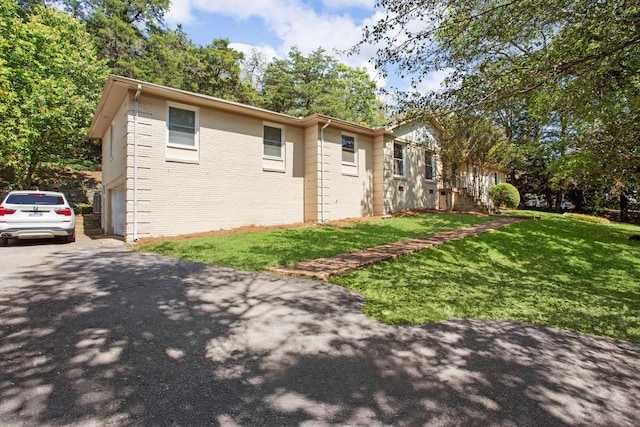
{"points": [[135, 163], [322, 169]]}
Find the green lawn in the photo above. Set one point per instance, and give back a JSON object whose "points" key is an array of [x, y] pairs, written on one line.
{"points": [[557, 272], [262, 250]]}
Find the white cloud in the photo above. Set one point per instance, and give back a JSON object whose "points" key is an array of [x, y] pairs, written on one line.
{"points": [[269, 52], [347, 4], [295, 23], [179, 12], [433, 80]]}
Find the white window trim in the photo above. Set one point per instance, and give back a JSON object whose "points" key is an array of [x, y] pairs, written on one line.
{"points": [[111, 141], [283, 142], [355, 149], [196, 135], [433, 165], [404, 160]]}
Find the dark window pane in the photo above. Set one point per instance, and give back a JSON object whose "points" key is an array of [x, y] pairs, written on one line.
{"points": [[348, 149], [272, 142], [34, 199], [398, 159], [429, 169], [182, 127], [398, 152]]}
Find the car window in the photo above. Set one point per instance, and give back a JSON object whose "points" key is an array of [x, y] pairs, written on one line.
{"points": [[34, 199]]}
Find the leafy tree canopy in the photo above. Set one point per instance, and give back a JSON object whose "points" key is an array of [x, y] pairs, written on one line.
{"points": [[134, 40], [570, 66], [50, 81], [301, 85]]}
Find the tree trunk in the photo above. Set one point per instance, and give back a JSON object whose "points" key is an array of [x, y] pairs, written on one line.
{"points": [[624, 207], [549, 197], [34, 159], [559, 198], [33, 163]]}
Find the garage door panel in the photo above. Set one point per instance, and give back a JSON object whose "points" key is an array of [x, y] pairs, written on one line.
{"points": [[118, 204]]}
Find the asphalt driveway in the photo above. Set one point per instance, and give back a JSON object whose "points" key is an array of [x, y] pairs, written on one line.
{"points": [[95, 334]]}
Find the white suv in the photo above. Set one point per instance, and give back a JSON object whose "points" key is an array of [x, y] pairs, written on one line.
{"points": [[36, 215]]}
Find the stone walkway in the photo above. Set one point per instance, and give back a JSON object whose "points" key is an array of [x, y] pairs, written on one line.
{"points": [[323, 268]]}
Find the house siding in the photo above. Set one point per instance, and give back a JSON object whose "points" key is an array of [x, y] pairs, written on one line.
{"points": [[412, 191], [379, 175], [226, 186], [479, 179], [227, 182], [349, 189], [114, 161], [312, 182]]}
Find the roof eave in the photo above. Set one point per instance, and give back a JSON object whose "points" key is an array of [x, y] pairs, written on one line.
{"points": [[117, 86]]}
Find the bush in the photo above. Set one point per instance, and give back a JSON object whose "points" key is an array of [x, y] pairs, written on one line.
{"points": [[504, 195], [588, 218], [84, 209]]}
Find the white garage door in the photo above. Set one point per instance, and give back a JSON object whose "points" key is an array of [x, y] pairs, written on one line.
{"points": [[117, 211]]}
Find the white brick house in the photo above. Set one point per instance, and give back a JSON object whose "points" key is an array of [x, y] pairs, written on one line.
{"points": [[176, 162]]}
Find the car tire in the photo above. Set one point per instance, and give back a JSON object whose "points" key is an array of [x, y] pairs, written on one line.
{"points": [[71, 238]]}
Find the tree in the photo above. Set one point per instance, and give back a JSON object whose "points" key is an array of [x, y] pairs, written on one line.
{"points": [[317, 83], [132, 37], [218, 73], [120, 28], [253, 68], [573, 63], [474, 139], [50, 80]]}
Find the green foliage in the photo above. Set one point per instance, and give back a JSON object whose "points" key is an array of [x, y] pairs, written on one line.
{"points": [[119, 28], [50, 80], [318, 84], [83, 208], [588, 218], [133, 39], [258, 251], [171, 59], [471, 137], [76, 164], [559, 78], [504, 194], [553, 272]]}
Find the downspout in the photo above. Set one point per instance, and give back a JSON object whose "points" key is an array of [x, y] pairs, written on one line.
{"points": [[322, 169], [135, 164]]}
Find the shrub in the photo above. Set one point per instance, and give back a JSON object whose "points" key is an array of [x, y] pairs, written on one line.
{"points": [[84, 209], [588, 218], [504, 195]]}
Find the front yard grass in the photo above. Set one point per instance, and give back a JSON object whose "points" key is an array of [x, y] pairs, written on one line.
{"points": [[554, 272], [266, 249]]}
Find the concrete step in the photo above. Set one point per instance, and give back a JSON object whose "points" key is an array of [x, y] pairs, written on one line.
{"points": [[466, 202], [89, 225]]}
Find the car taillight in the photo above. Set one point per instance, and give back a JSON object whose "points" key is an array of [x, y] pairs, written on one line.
{"points": [[4, 211], [65, 212]]}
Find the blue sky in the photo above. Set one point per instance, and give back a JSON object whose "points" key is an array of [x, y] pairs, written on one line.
{"points": [[275, 26]]}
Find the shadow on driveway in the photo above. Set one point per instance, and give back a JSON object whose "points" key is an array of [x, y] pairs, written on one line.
{"points": [[112, 336]]}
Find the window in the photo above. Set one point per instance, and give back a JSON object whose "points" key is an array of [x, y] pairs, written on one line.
{"points": [[34, 199], [495, 178], [182, 127], [429, 166], [272, 142], [110, 141], [398, 159], [348, 149]]}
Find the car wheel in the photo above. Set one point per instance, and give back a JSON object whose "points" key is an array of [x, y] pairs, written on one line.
{"points": [[71, 238]]}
